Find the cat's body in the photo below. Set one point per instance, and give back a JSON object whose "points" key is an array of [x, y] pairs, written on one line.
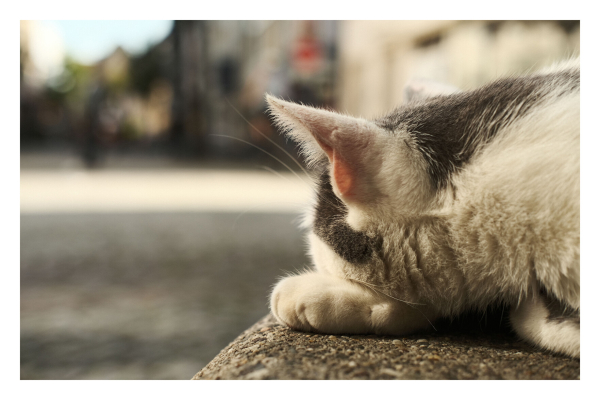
{"points": [[450, 203]]}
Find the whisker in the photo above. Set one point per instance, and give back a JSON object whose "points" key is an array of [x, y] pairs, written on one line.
{"points": [[264, 151], [371, 286], [276, 145], [257, 206], [392, 297], [318, 194], [309, 184], [380, 286], [279, 147], [275, 172], [261, 149], [266, 137]]}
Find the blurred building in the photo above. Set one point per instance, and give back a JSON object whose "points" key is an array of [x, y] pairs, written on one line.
{"points": [[377, 58], [200, 92], [224, 69]]}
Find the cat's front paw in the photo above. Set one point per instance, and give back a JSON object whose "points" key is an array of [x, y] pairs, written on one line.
{"points": [[315, 302], [293, 304]]}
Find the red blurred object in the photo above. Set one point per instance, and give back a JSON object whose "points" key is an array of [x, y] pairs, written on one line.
{"points": [[307, 53]]}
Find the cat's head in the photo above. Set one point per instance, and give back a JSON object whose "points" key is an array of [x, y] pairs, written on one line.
{"points": [[377, 173]]}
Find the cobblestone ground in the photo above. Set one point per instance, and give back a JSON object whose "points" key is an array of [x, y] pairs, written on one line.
{"points": [[145, 296]]}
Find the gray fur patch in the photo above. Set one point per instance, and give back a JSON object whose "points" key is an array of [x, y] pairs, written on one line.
{"points": [[330, 225], [449, 130]]}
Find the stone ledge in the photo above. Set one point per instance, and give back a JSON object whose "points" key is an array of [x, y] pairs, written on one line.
{"points": [[268, 350]]}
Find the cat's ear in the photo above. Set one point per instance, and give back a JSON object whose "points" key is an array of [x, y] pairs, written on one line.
{"points": [[341, 140], [419, 89]]}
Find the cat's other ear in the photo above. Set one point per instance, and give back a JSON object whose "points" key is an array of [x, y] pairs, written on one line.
{"points": [[419, 89], [325, 136]]}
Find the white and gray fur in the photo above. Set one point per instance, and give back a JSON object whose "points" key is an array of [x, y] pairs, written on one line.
{"points": [[450, 203]]}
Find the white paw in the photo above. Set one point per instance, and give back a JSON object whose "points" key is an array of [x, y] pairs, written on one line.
{"points": [[289, 312], [321, 303]]}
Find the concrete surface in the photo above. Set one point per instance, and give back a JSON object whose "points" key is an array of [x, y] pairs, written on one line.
{"points": [[147, 271], [144, 295], [268, 350]]}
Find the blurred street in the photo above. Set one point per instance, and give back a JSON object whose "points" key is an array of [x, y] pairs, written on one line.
{"points": [[107, 293], [153, 190]]}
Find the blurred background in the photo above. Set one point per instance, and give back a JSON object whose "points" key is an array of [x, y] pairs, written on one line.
{"points": [[154, 216]]}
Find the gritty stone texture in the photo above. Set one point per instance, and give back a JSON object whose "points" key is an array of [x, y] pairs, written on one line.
{"points": [[268, 350]]}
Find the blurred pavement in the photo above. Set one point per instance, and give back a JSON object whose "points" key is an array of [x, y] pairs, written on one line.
{"points": [[81, 191], [138, 274]]}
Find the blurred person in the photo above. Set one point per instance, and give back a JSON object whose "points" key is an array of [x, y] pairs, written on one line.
{"points": [[93, 125], [307, 64]]}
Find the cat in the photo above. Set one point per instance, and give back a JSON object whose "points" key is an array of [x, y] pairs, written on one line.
{"points": [[454, 201]]}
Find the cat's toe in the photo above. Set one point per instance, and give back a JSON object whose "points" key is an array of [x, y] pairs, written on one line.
{"points": [[288, 309]]}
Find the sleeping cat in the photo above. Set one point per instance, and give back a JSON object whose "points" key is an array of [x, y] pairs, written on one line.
{"points": [[452, 202]]}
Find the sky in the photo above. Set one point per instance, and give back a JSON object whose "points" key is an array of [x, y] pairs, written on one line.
{"points": [[89, 41]]}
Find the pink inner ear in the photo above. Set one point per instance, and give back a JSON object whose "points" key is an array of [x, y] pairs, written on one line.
{"points": [[342, 175], [326, 148]]}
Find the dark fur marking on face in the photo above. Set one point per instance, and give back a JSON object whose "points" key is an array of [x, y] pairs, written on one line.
{"points": [[448, 130], [330, 225]]}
